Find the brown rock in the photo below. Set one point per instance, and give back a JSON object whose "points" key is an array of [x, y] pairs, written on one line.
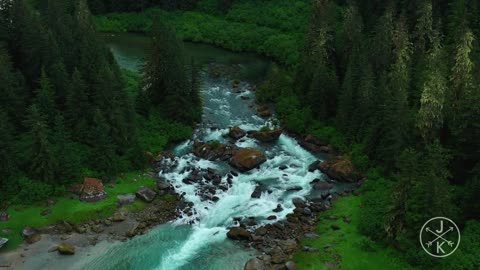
{"points": [[212, 150], [118, 217], [264, 111], [239, 233], [266, 135], [322, 186], [290, 265], [339, 168], [254, 264], [66, 249], [31, 235], [236, 133], [247, 158], [145, 194]]}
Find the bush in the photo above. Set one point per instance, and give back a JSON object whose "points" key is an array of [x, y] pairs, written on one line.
{"points": [[329, 134], [375, 202], [30, 191], [367, 244], [359, 159], [200, 27]]}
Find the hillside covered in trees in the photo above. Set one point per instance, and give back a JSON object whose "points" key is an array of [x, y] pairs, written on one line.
{"points": [[68, 110], [393, 85]]}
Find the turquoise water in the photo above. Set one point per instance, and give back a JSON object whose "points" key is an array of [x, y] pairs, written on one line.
{"points": [[203, 245]]}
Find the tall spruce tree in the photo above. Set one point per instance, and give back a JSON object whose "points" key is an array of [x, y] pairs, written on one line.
{"points": [[395, 120], [41, 154], [430, 116], [165, 81]]}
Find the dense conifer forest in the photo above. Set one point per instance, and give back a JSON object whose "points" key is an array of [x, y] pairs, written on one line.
{"points": [[67, 109], [395, 85]]}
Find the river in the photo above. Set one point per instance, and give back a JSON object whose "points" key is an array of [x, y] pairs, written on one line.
{"points": [[204, 245]]}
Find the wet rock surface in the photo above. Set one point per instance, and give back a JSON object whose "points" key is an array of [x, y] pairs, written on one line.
{"points": [[247, 159]]}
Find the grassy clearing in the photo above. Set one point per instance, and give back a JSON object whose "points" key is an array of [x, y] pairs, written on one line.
{"points": [[71, 209], [349, 248], [283, 46]]}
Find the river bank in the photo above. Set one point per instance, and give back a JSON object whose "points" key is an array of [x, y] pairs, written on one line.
{"points": [[259, 204]]}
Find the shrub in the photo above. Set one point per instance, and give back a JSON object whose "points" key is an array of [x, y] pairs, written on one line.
{"points": [[31, 191], [376, 199]]}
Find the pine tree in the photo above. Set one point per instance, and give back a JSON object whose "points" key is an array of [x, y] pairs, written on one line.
{"points": [[77, 114], [430, 116], [103, 157], [363, 116], [66, 154], [408, 173], [165, 80], [45, 98], [395, 119], [348, 98], [8, 155], [41, 156], [461, 73], [12, 88], [423, 38]]}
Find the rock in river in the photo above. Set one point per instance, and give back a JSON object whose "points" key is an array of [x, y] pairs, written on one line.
{"points": [[247, 158], [236, 133], [66, 249], [212, 150], [146, 194], [266, 135], [239, 233]]}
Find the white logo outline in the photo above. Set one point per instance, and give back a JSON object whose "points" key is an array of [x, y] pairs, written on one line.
{"points": [[439, 236]]}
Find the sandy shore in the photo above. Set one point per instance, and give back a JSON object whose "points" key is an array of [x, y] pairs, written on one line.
{"points": [[43, 255]]}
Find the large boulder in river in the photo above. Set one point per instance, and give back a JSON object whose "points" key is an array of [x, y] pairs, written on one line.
{"points": [[247, 158], [266, 135], [339, 168], [236, 133], [146, 194], [239, 233], [213, 150]]}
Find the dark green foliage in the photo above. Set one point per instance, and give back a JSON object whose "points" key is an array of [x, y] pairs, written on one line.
{"points": [[375, 203], [8, 155], [165, 80], [31, 191], [402, 88], [248, 33], [66, 106], [42, 162]]}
